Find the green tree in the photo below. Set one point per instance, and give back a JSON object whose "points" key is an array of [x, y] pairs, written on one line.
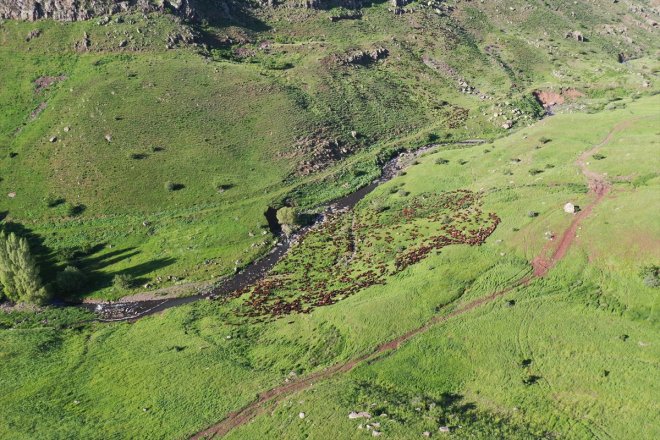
{"points": [[6, 272], [288, 218], [19, 272], [71, 280]]}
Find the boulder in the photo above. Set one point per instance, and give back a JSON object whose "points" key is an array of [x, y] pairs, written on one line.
{"points": [[359, 415]]}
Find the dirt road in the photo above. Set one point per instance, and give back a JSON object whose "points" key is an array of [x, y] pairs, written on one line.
{"points": [[598, 186]]}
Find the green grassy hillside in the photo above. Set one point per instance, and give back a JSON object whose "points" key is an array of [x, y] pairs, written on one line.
{"points": [[567, 355], [100, 118], [150, 146]]}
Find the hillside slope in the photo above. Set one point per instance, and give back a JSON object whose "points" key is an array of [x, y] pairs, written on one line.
{"points": [[145, 145], [568, 355]]}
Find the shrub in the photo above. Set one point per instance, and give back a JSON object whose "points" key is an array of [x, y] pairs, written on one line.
{"points": [[432, 138], [544, 140], [462, 162], [532, 214], [70, 280], [403, 193], [123, 281], [171, 186], [535, 171], [441, 161], [276, 64], [598, 156], [222, 187], [54, 201], [137, 156], [75, 210]]}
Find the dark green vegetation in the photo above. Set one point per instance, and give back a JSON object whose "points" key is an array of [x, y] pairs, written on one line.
{"points": [[140, 165], [19, 273]]}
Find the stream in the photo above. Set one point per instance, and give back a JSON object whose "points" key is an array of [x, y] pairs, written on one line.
{"points": [[128, 311]]}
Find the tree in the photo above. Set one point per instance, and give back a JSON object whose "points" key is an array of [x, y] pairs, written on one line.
{"points": [[289, 219], [6, 272], [19, 272], [123, 281], [71, 280]]}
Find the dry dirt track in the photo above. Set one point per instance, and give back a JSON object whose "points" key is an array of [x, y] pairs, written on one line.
{"points": [[598, 187]]}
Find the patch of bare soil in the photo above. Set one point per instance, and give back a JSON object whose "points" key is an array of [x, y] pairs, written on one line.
{"points": [[551, 98], [37, 111], [44, 82], [164, 293]]}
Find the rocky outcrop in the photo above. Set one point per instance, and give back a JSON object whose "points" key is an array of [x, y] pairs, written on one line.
{"points": [[73, 10], [67, 10], [364, 57]]}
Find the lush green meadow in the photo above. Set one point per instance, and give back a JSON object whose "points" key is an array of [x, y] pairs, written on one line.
{"points": [[572, 355], [126, 157]]}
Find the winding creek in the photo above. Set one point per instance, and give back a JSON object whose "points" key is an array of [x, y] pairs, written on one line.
{"points": [[131, 310]]}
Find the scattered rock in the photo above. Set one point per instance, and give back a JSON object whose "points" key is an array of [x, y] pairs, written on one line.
{"points": [[444, 429], [44, 82], [364, 57], [577, 36], [108, 137], [301, 415], [359, 415], [53, 139], [33, 34]]}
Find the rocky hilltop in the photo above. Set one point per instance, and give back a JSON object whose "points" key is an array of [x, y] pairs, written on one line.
{"points": [[73, 10]]}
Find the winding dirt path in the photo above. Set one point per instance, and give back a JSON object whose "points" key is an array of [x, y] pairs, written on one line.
{"points": [[598, 186]]}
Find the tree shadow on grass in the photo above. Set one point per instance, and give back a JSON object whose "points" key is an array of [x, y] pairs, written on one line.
{"points": [[93, 264], [92, 261]]}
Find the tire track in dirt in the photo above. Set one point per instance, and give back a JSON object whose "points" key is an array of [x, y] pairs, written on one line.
{"points": [[541, 265], [244, 415], [599, 187]]}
